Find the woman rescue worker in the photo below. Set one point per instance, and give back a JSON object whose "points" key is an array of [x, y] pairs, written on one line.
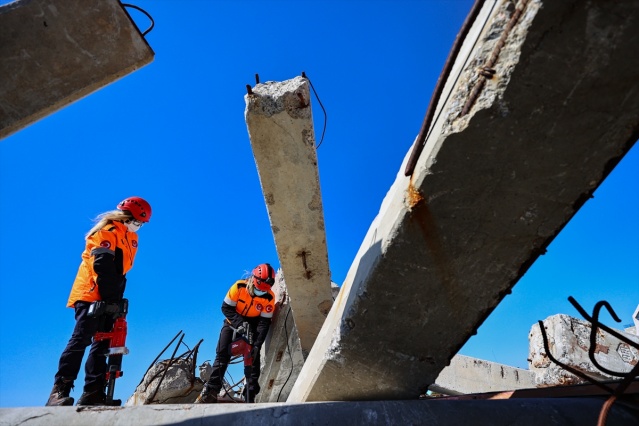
{"points": [[111, 246], [250, 301]]}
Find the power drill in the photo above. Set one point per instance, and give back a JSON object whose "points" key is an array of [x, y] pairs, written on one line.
{"points": [[117, 340]]}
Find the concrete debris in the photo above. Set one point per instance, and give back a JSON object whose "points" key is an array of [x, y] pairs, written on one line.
{"points": [[173, 386], [569, 342], [467, 375]]}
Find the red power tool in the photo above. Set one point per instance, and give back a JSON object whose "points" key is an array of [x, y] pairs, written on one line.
{"points": [[242, 344], [117, 340]]}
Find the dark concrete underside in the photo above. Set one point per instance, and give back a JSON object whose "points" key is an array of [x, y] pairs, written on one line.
{"points": [[54, 52], [520, 412]]}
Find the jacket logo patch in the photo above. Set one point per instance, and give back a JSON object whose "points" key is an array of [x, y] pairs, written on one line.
{"points": [[134, 243], [259, 306], [105, 244], [269, 309]]}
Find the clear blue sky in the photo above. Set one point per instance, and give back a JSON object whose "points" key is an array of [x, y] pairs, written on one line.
{"points": [[173, 132]]}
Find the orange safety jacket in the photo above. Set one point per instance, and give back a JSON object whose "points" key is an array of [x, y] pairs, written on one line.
{"points": [[108, 256], [249, 306], [240, 306]]}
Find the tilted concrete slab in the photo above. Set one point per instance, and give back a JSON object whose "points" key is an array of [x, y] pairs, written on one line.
{"points": [[489, 192], [467, 375], [280, 125], [522, 412], [54, 52]]}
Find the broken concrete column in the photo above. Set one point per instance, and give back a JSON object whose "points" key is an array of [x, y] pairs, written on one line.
{"points": [[55, 52], [280, 126], [569, 343]]}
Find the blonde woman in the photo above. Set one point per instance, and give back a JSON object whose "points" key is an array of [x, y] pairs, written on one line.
{"points": [[249, 301], [110, 249]]}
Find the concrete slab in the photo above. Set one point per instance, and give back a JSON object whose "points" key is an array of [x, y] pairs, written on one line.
{"points": [[522, 412], [280, 125], [490, 191], [467, 375], [54, 52]]}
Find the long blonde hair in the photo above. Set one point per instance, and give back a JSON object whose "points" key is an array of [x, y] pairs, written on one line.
{"points": [[102, 219]]}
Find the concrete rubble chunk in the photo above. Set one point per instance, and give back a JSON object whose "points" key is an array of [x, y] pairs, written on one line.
{"points": [[467, 375], [177, 385], [280, 126], [489, 192], [55, 52], [569, 342]]}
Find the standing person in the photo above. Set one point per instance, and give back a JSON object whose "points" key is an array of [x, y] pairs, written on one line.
{"points": [[251, 301], [111, 246]]}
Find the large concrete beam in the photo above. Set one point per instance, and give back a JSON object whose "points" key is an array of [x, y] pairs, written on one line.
{"points": [[489, 193], [54, 52], [280, 125]]}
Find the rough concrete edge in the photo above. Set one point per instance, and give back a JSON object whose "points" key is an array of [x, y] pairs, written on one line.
{"points": [[68, 100]]}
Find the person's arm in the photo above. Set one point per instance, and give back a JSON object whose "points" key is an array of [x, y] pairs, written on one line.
{"points": [[108, 279], [231, 314], [229, 306]]}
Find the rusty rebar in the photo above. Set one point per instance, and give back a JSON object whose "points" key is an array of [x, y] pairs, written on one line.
{"points": [[159, 355], [566, 367], [472, 98], [166, 369], [439, 87], [595, 326]]}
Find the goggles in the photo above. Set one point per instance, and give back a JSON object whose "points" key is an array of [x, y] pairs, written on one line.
{"points": [[269, 280]]}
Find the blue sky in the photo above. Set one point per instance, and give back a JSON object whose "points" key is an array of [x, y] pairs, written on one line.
{"points": [[173, 132]]}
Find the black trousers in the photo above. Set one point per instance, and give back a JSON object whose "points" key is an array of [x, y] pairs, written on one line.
{"points": [[222, 358], [71, 358]]}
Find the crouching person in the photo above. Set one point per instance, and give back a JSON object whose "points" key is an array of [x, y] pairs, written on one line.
{"points": [[247, 301]]}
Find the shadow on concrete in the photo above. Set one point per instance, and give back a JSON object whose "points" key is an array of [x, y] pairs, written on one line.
{"points": [[568, 411]]}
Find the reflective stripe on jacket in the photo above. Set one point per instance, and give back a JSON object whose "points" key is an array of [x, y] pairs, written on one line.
{"points": [[249, 306], [108, 256]]}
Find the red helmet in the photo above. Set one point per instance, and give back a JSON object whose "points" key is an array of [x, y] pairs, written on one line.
{"points": [[138, 207], [264, 275]]}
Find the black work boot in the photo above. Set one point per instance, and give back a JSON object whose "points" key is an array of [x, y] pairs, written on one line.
{"points": [[60, 393], [93, 396], [207, 396]]}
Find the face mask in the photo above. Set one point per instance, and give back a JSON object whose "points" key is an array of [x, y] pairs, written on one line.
{"points": [[132, 227], [259, 292]]}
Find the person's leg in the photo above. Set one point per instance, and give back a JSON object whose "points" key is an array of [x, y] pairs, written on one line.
{"points": [[95, 367], [71, 358], [252, 379], [222, 357]]}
